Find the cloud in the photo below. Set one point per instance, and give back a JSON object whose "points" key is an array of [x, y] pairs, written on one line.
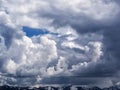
{"points": [[82, 40], [22, 56], [43, 13]]}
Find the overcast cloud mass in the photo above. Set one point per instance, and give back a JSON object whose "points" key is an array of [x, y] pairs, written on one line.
{"points": [[82, 40]]}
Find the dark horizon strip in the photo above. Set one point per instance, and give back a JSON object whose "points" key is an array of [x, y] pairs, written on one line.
{"points": [[82, 77]]}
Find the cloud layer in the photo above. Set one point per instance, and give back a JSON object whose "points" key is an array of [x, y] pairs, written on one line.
{"points": [[82, 40]]}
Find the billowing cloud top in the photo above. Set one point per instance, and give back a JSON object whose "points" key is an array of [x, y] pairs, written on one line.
{"points": [[77, 38]]}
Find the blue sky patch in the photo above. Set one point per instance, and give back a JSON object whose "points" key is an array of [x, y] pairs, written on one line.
{"points": [[33, 31]]}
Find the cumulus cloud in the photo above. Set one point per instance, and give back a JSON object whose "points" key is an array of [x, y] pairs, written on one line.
{"points": [[61, 13], [83, 40]]}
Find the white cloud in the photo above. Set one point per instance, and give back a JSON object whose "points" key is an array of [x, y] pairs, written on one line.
{"points": [[43, 13], [93, 53], [94, 50], [30, 56], [11, 67], [72, 45]]}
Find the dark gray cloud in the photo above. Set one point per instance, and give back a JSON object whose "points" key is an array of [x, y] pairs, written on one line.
{"points": [[112, 42], [9, 34], [109, 64]]}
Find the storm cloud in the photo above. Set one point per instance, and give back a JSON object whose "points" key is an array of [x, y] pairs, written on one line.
{"points": [[82, 40]]}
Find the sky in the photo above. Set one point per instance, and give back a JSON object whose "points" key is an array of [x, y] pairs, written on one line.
{"points": [[30, 32], [60, 42]]}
